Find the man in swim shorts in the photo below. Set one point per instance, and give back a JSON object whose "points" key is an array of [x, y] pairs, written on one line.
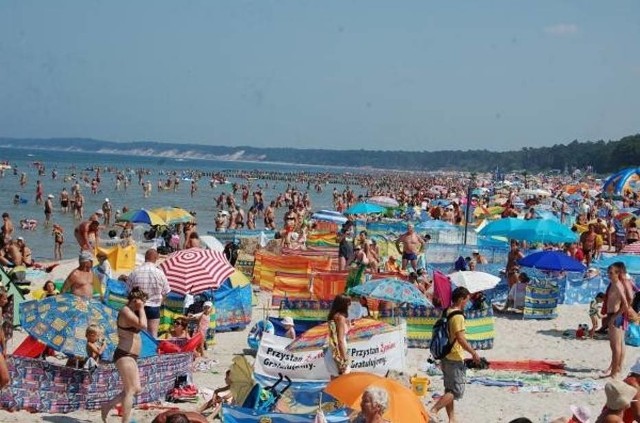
{"points": [[412, 243]]}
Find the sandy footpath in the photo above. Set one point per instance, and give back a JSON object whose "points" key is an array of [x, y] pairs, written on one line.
{"points": [[515, 340]]}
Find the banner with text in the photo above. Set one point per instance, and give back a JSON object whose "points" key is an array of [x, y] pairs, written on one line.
{"points": [[378, 354]]}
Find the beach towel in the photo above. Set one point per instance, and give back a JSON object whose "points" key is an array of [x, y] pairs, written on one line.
{"points": [[534, 366]]}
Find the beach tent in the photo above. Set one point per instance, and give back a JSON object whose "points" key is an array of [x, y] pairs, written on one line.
{"points": [[623, 181], [120, 258]]}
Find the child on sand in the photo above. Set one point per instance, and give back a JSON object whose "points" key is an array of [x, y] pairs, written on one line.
{"points": [[95, 346], [50, 289], [220, 395], [595, 314], [203, 318]]}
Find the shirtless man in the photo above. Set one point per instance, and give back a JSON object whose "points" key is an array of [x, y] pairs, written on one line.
{"points": [[78, 205], [6, 230], [588, 241], [512, 263], [270, 216], [64, 200], [87, 234], [82, 281], [412, 243], [619, 298], [10, 255]]}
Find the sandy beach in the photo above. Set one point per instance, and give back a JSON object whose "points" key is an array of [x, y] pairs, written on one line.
{"points": [[515, 340]]}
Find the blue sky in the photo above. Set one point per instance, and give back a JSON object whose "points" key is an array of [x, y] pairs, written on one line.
{"points": [[383, 75]]}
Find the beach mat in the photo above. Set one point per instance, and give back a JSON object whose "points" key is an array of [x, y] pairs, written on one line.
{"points": [[534, 366]]}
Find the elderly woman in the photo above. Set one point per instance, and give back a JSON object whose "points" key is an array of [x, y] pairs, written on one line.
{"points": [[131, 320], [374, 404]]}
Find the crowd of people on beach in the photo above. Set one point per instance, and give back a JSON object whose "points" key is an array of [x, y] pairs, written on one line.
{"points": [[243, 205]]}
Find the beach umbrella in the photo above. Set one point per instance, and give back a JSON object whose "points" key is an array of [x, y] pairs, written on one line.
{"points": [[241, 378], [318, 336], [60, 322], [142, 216], [394, 290], [552, 260], [404, 405], [631, 248], [632, 263], [329, 216], [365, 208], [196, 270], [173, 215], [435, 225], [383, 201], [543, 230], [212, 242], [474, 281], [536, 192], [501, 227]]}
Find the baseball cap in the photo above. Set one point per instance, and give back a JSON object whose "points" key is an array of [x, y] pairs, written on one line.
{"points": [[207, 304], [19, 238]]}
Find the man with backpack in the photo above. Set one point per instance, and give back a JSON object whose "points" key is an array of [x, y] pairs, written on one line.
{"points": [[452, 361]]}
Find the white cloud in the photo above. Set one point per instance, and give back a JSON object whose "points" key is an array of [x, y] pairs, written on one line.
{"points": [[561, 30]]}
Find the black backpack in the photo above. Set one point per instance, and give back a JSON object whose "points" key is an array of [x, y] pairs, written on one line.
{"points": [[440, 344]]}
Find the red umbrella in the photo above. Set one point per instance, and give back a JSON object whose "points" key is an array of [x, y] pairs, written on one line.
{"points": [[196, 270]]}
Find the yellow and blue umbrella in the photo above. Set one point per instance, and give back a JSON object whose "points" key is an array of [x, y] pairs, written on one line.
{"points": [[142, 216], [173, 215], [61, 321]]}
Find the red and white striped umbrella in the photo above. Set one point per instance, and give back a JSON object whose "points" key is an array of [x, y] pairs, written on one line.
{"points": [[196, 270], [632, 248]]}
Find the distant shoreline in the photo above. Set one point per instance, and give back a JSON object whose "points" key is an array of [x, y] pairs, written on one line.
{"points": [[180, 159]]}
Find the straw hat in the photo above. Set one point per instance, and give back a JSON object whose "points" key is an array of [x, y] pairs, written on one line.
{"points": [[581, 413], [287, 321], [619, 395]]}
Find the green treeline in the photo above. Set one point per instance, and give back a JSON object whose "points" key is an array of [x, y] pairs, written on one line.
{"points": [[603, 156]]}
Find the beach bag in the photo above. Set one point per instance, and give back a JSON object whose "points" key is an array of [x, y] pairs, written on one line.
{"points": [[440, 345], [632, 336]]}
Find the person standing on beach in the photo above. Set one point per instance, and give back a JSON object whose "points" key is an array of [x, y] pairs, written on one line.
{"points": [[131, 320], [452, 365], [619, 298], [153, 281], [6, 230], [78, 205], [58, 240], [87, 234], [106, 209], [412, 243], [81, 281]]}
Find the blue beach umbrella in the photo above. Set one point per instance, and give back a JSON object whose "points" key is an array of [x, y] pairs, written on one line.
{"points": [[365, 208], [436, 225], [393, 290], [330, 216], [552, 260], [632, 263], [61, 321], [501, 227], [543, 230]]}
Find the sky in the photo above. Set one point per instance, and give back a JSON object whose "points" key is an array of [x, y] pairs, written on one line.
{"points": [[339, 74]]}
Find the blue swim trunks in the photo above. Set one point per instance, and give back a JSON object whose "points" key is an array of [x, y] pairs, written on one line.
{"points": [[409, 256]]}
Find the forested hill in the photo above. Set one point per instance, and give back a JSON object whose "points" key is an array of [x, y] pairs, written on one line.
{"points": [[603, 156]]}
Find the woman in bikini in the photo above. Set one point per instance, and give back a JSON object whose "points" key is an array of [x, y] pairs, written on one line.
{"points": [[131, 320], [337, 358]]}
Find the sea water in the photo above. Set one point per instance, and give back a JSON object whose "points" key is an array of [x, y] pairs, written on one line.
{"points": [[66, 163]]}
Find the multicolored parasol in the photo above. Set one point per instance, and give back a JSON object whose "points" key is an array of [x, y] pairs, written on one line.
{"points": [[61, 321], [173, 215], [318, 336], [142, 216], [394, 290]]}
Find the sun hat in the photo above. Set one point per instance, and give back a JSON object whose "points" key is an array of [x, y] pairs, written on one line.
{"points": [[581, 413], [99, 212], [19, 238], [619, 395], [635, 369], [85, 256], [50, 196], [287, 321], [475, 252], [207, 304], [106, 200]]}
